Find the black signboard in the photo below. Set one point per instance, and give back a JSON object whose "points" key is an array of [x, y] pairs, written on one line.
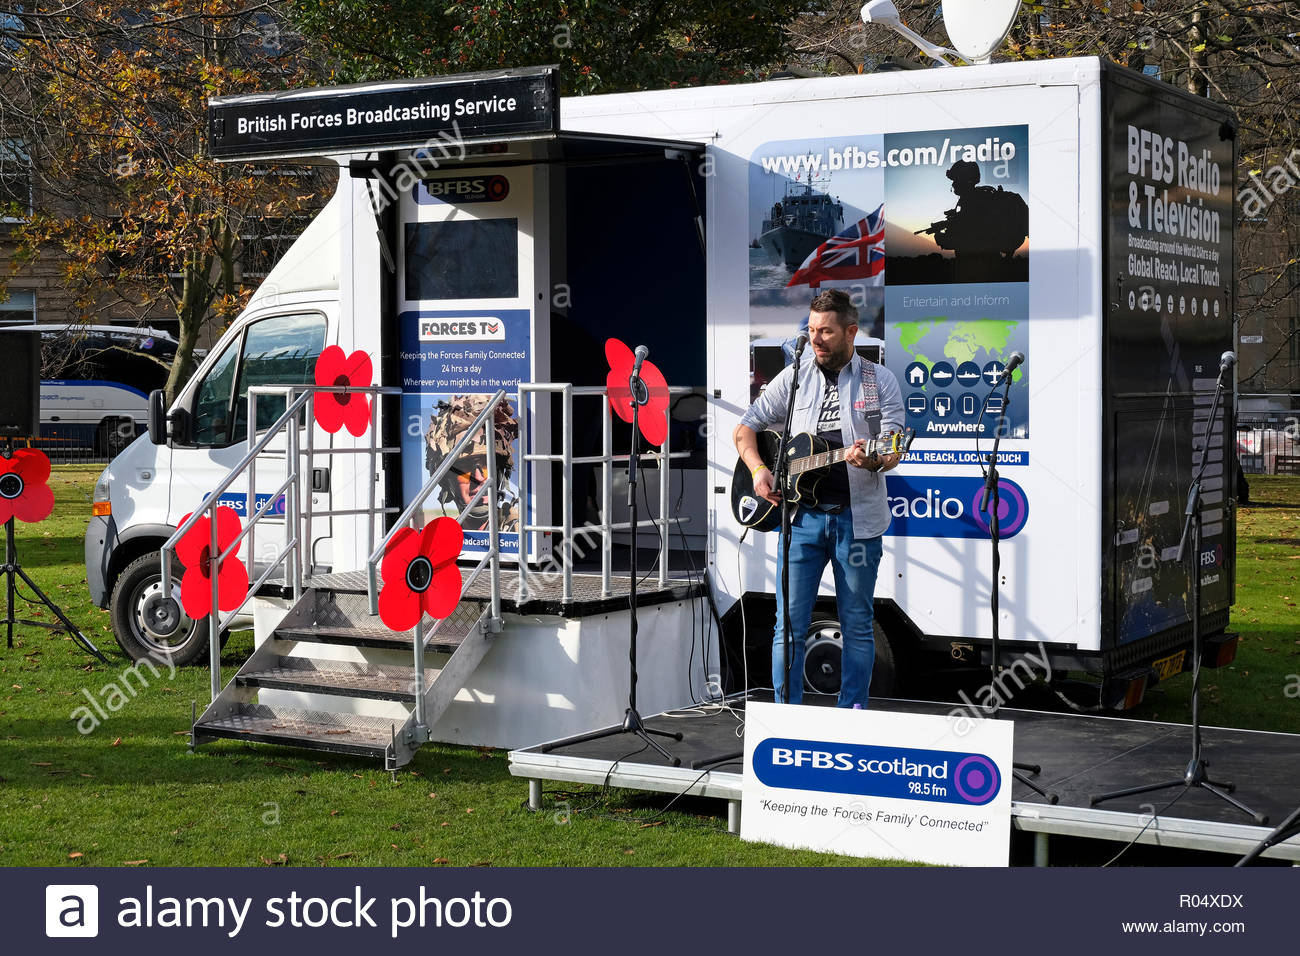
{"points": [[1169, 182], [436, 114], [1169, 279]]}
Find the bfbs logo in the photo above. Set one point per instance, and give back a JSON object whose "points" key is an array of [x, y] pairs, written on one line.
{"points": [[904, 773], [933, 507], [239, 501], [463, 189]]}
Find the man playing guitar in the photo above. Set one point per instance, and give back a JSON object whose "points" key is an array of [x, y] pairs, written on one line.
{"points": [[848, 401]]}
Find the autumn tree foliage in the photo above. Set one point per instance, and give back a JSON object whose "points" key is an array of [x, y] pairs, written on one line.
{"points": [[109, 103], [600, 47], [1246, 55]]}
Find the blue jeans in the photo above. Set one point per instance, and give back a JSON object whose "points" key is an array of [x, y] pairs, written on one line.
{"points": [[817, 537]]}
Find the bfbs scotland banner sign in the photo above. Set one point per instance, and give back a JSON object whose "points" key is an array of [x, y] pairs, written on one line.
{"points": [[917, 787]]}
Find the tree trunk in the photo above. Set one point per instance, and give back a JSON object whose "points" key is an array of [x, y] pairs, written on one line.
{"points": [[191, 312]]}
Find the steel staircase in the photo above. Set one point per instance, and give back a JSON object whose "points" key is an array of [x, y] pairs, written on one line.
{"points": [[362, 688], [307, 654], [332, 646]]}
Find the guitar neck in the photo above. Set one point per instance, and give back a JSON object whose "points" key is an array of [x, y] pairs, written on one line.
{"points": [[800, 465], [894, 443]]}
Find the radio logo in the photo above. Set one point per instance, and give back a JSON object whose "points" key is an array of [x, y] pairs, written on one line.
{"points": [[906, 773], [944, 507]]}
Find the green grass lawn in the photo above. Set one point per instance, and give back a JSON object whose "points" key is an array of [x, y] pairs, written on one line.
{"points": [[129, 793]]}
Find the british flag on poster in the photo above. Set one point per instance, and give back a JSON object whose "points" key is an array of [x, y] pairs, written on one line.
{"points": [[856, 253]]}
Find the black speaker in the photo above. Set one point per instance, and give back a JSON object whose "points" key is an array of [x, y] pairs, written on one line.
{"points": [[20, 397]]}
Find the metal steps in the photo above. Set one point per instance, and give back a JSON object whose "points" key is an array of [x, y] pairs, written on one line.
{"points": [[302, 656], [310, 730], [345, 678], [446, 640]]}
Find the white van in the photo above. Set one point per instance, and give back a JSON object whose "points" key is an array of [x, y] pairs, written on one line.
{"points": [[148, 489], [95, 383]]}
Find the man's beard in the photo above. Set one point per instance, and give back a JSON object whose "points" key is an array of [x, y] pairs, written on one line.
{"points": [[835, 361]]}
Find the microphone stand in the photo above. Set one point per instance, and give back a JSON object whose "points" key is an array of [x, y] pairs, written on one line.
{"points": [[632, 720], [1284, 830], [993, 496], [780, 475], [11, 487], [1196, 773]]}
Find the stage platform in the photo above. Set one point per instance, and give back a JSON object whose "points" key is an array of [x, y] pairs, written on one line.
{"points": [[1080, 755], [545, 590]]}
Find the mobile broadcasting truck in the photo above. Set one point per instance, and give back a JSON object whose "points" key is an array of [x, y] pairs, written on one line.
{"points": [[1070, 210]]}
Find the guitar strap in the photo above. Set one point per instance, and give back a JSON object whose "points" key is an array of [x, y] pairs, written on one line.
{"points": [[870, 402]]}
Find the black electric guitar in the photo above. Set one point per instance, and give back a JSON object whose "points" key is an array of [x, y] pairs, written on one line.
{"points": [[811, 458]]}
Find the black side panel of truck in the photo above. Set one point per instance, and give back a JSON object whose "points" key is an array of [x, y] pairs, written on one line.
{"points": [[1168, 281]]}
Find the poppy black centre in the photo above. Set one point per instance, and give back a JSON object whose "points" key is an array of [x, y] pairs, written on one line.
{"points": [[11, 486], [419, 574], [343, 382]]}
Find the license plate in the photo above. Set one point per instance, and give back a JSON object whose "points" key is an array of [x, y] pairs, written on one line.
{"points": [[1170, 666]]}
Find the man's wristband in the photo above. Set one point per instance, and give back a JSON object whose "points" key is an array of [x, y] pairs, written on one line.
{"points": [[753, 472]]}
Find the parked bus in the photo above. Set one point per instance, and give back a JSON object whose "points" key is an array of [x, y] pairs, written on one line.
{"points": [[95, 384]]}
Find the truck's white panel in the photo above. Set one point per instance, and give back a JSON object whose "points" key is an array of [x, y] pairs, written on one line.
{"points": [[1050, 569]]}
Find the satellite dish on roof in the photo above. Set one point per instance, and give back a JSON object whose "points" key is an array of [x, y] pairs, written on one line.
{"points": [[885, 13], [978, 27]]}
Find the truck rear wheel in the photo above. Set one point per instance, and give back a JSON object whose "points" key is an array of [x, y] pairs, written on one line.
{"points": [[823, 646], [139, 581]]}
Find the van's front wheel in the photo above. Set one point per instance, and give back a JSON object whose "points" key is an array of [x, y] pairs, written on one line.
{"points": [[140, 581]]}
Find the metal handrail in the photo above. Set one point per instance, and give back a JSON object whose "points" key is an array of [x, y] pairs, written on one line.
{"points": [[483, 421], [408, 513], [567, 460], [291, 551]]}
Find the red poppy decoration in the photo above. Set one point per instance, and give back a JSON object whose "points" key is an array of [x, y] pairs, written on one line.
{"points": [[195, 552], [420, 574], [334, 410], [24, 493], [653, 417]]}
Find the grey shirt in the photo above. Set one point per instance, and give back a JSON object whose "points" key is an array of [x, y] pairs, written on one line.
{"points": [[866, 488]]}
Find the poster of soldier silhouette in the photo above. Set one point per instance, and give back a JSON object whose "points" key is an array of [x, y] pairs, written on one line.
{"points": [[964, 218], [928, 232]]}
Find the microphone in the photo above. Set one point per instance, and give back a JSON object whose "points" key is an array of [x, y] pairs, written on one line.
{"points": [[1013, 363], [1226, 361], [640, 393], [800, 342]]}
